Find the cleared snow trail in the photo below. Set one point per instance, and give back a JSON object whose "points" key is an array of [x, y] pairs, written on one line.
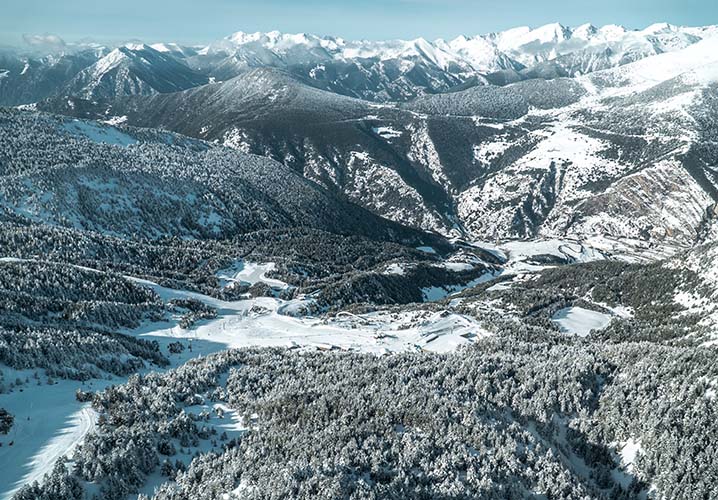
{"points": [[81, 424], [28, 437]]}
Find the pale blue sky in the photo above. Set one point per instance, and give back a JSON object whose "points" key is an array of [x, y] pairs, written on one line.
{"points": [[197, 21]]}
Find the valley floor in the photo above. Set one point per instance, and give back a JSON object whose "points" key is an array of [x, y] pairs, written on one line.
{"points": [[50, 422]]}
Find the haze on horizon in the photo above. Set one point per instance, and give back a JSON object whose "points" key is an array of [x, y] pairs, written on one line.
{"points": [[183, 21]]}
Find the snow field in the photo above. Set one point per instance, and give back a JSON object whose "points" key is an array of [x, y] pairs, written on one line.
{"points": [[580, 321], [49, 423], [106, 135], [249, 273], [260, 322]]}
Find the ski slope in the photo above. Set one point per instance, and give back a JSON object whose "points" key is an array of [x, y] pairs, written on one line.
{"points": [[49, 423], [260, 322]]}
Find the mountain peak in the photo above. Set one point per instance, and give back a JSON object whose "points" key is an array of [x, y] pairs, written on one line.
{"points": [[111, 60], [585, 31], [137, 46], [659, 28], [240, 37], [551, 33], [613, 31]]}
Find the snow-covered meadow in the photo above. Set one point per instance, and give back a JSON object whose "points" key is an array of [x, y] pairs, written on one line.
{"points": [[50, 422], [264, 322], [580, 321]]}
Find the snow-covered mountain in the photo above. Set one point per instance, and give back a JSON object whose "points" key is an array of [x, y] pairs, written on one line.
{"points": [[552, 41], [393, 70], [401, 69], [511, 49], [133, 69], [385, 70], [608, 154], [28, 78]]}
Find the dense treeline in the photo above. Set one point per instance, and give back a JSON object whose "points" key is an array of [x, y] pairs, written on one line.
{"points": [[506, 418], [343, 269], [58, 293], [502, 103], [61, 318], [91, 176], [76, 354]]}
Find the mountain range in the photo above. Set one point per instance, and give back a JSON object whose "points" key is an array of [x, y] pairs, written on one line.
{"points": [[603, 155], [373, 70]]}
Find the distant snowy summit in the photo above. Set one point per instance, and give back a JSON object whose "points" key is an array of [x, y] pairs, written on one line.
{"points": [[389, 70], [510, 49]]}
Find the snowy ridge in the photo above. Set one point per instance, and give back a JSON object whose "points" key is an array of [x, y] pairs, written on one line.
{"points": [[134, 69], [698, 64], [510, 49], [562, 158], [382, 71]]}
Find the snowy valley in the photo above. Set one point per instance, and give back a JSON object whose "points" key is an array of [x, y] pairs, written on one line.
{"points": [[298, 266]]}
